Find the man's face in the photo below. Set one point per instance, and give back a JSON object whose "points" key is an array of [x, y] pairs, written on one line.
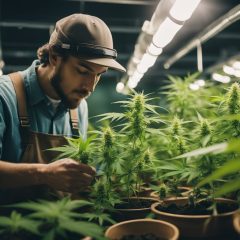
{"points": [[76, 79]]}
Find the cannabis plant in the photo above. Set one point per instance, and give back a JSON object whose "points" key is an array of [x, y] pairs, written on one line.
{"points": [[182, 100], [103, 199], [107, 147], [228, 173], [136, 121], [76, 148], [176, 143], [17, 226], [61, 219], [228, 104], [108, 162]]}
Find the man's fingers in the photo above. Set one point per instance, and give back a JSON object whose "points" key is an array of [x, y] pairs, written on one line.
{"points": [[81, 167], [87, 169]]}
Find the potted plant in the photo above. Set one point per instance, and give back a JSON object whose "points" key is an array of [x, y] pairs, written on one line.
{"points": [[60, 219], [136, 123], [18, 227], [141, 229], [216, 221]]}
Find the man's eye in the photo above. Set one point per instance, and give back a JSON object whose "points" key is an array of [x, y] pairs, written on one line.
{"points": [[82, 71]]}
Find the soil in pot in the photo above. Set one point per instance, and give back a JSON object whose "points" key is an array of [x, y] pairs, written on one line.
{"points": [[135, 203], [133, 208], [142, 229], [147, 236], [201, 208], [182, 192], [198, 222]]}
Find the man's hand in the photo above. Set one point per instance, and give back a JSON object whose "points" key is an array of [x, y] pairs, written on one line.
{"points": [[68, 175]]}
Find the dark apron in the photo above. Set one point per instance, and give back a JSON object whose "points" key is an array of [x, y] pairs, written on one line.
{"points": [[35, 147]]}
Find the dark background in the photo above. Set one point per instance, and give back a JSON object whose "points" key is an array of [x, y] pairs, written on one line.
{"points": [[25, 25]]}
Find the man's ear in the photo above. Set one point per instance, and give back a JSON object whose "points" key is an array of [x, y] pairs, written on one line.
{"points": [[53, 57]]}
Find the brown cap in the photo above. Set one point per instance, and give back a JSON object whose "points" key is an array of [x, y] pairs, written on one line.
{"points": [[88, 38]]}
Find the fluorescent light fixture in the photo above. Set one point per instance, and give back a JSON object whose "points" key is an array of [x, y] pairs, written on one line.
{"points": [[134, 79], [182, 9], [237, 73], [152, 49], [236, 65], [147, 61], [165, 33], [135, 60], [132, 84], [120, 87], [194, 86], [221, 78], [136, 76], [228, 70], [200, 82]]}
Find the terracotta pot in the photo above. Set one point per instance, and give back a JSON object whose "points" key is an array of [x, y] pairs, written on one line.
{"points": [[123, 214], [236, 223], [145, 192], [184, 193], [138, 227], [200, 226]]}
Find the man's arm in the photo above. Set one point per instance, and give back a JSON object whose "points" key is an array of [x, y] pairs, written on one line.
{"points": [[64, 175]]}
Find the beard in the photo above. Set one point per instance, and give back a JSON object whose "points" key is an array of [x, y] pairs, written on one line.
{"points": [[69, 103]]}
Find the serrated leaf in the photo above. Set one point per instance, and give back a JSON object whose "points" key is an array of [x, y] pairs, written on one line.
{"points": [[228, 188], [230, 167]]}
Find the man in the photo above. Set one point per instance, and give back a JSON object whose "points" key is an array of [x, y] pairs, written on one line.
{"points": [[41, 105]]}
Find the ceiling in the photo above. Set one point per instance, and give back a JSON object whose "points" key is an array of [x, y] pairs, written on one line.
{"points": [[25, 25]]}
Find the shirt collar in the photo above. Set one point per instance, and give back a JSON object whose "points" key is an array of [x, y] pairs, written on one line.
{"points": [[33, 89]]}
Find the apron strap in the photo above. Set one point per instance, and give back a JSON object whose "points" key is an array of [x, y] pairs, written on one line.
{"points": [[21, 104], [18, 85], [74, 121]]}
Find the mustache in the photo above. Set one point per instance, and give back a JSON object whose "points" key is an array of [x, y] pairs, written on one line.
{"points": [[83, 93]]}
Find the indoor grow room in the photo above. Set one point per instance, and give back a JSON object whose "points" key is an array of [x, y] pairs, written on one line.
{"points": [[163, 137]]}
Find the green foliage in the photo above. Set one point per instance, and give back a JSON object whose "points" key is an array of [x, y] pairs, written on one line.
{"points": [[77, 149], [137, 123], [229, 105], [103, 198], [16, 224], [60, 218], [182, 100], [162, 190]]}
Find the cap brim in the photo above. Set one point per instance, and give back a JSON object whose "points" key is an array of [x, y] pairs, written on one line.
{"points": [[107, 62]]}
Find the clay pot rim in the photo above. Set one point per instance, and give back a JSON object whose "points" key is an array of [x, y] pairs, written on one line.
{"points": [[236, 221], [138, 209], [154, 210], [175, 229]]}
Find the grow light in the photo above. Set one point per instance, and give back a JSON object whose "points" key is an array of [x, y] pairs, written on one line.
{"points": [[182, 9], [236, 65], [120, 87], [200, 82], [152, 49], [146, 62], [228, 70], [194, 86], [221, 78], [165, 33]]}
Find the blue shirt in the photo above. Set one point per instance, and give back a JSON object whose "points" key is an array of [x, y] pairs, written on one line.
{"points": [[43, 117]]}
